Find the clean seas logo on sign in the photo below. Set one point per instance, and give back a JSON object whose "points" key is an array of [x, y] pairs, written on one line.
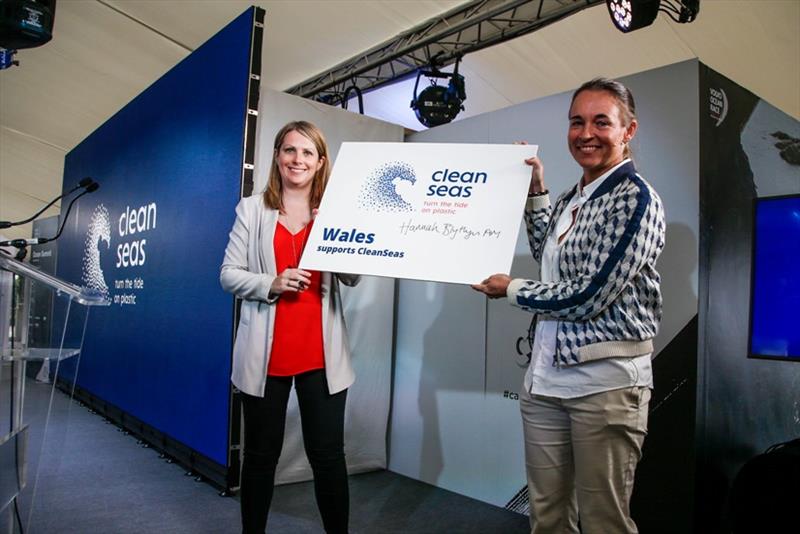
{"points": [[455, 184], [717, 104], [99, 230], [383, 188]]}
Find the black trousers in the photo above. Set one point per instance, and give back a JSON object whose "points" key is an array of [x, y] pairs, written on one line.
{"points": [[322, 420]]}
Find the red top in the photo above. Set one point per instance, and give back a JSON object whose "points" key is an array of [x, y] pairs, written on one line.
{"points": [[297, 339]]}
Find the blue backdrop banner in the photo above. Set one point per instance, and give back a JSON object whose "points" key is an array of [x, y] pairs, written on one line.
{"points": [[152, 237]]}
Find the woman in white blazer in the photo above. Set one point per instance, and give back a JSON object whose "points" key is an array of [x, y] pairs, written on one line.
{"points": [[291, 330]]}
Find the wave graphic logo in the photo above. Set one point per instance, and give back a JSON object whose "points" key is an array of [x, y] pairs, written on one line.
{"points": [[99, 230], [382, 190]]}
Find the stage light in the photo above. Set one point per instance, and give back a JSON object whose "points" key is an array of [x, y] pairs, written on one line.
{"points": [[438, 104], [630, 15], [24, 24]]}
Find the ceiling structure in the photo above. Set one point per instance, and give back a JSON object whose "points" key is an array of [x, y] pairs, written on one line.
{"points": [[105, 52], [436, 43]]}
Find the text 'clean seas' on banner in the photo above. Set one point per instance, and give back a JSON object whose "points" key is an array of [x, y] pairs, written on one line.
{"points": [[425, 211]]}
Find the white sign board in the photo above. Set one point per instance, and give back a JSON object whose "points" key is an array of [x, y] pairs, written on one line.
{"points": [[424, 211]]}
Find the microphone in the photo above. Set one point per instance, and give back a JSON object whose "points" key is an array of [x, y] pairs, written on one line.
{"points": [[90, 187], [20, 243], [85, 183]]}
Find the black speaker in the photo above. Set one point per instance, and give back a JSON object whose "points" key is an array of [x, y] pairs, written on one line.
{"points": [[26, 23]]}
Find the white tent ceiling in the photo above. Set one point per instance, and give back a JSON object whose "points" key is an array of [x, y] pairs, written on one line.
{"points": [[105, 52]]}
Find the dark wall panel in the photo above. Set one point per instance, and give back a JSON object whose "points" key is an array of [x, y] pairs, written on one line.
{"points": [[662, 499], [743, 405]]}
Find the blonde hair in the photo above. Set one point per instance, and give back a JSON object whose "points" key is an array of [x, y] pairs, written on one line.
{"points": [[273, 195]]}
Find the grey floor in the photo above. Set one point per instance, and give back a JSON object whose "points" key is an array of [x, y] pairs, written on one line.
{"points": [[97, 479]]}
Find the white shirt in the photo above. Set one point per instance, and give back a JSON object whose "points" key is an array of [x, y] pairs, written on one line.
{"points": [[567, 382]]}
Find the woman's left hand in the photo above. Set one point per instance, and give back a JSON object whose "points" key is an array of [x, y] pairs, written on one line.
{"points": [[495, 286]]}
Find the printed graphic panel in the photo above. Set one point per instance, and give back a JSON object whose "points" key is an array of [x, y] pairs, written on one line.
{"points": [[152, 237], [432, 211]]}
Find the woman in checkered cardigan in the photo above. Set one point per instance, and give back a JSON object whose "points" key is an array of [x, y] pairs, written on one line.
{"points": [[597, 307]]}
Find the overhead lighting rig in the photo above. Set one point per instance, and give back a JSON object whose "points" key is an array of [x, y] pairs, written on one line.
{"points": [[469, 27], [439, 104], [630, 15]]}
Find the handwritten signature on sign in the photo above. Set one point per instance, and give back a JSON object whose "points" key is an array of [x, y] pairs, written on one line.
{"points": [[449, 231]]}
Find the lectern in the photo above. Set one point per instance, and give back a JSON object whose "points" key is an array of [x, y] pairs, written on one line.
{"points": [[66, 320]]}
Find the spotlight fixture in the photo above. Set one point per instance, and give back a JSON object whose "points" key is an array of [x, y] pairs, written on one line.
{"points": [[437, 104], [630, 15], [24, 24]]}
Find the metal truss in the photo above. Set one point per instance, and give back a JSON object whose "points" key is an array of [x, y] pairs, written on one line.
{"points": [[437, 42]]}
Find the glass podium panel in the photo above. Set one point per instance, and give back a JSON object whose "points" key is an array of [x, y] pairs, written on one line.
{"points": [[40, 348]]}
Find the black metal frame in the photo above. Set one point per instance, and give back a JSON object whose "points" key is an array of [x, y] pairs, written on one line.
{"points": [[437, 42], [246, 183]]}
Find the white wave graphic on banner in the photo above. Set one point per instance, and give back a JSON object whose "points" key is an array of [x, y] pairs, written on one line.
{"points": [[99, 230]]}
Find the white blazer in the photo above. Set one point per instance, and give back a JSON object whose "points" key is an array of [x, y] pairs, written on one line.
{"points": [[248, 271]]}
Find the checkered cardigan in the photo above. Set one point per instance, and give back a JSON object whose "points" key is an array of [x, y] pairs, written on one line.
{"points": [[608, 300]]}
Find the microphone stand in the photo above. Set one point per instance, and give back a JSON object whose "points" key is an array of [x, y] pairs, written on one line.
{"points": [[22, 243], [85, 183]]}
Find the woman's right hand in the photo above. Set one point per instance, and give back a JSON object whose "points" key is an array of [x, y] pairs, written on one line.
{"points": [[293, 280], [537, 176]]}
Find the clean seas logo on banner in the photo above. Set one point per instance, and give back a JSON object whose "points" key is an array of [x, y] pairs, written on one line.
{"points": [[99, 230], [384, 188], [132, 228], [717, 104]]}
